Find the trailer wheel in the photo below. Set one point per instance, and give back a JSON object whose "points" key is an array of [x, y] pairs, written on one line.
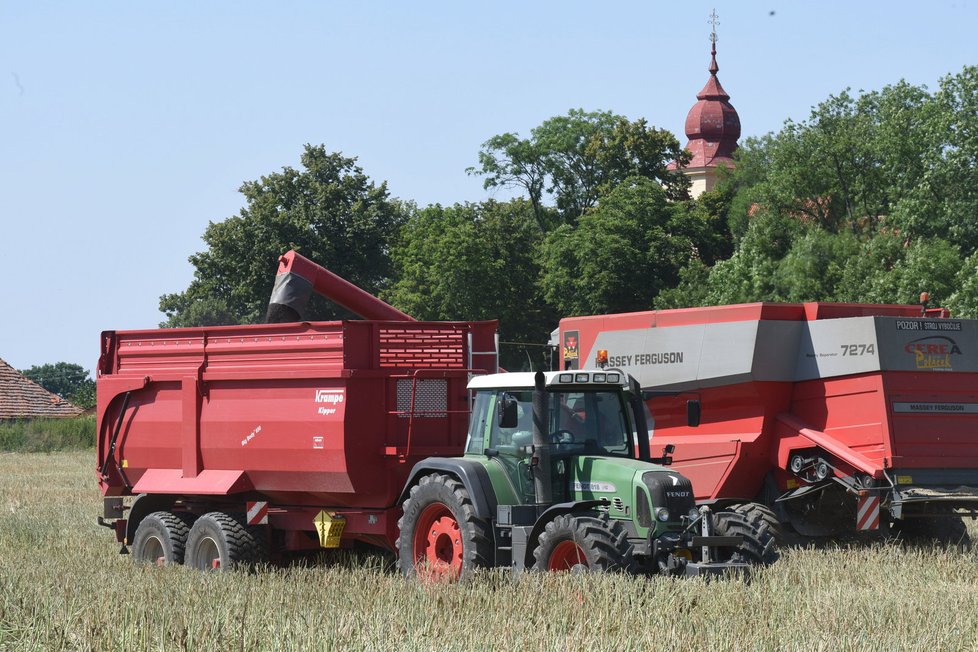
{"points": [[219, 541], [575, 543], [161, 538], [758, 545], [759, 514], [441, 537]]}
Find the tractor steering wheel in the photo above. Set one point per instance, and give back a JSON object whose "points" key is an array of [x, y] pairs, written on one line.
{"points": [[561, 436]]}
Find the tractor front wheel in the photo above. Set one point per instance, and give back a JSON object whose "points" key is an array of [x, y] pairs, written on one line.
{"points": [[581, 543], [441, 536]]}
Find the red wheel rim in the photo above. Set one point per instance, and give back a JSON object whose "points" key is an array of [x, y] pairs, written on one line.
{"points": [[438, 544], [567, 555]]}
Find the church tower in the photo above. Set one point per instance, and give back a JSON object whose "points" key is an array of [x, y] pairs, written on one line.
{"points": [[712, 127]]}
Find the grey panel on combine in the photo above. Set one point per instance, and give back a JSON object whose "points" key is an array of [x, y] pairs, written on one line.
{"points": [[728, 352], [928, 344], [837, 347], [774, 355]]}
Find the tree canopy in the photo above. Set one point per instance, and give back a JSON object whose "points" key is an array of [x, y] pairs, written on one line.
{"points": [[329, 211], [475, 262], [578, 157], [67, 380]]}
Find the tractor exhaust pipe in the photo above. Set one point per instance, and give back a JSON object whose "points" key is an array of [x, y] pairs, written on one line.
{"points": [[298, 277], [542, 483]]}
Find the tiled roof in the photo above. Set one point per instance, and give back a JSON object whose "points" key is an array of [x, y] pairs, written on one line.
{"points": [[21, 398]]}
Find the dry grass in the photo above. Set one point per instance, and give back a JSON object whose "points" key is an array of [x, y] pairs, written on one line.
{"points": [[62, 586]]}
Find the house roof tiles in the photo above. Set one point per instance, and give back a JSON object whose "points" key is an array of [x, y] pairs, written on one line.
{"points": [[21, 398]]}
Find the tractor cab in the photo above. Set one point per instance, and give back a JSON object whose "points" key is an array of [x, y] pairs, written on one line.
{"points": [[588, 414]]}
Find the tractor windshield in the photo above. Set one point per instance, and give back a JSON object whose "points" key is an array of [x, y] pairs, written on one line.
{"points": [[580, 422]]}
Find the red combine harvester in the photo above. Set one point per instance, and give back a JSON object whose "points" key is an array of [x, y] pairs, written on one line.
{"points": [[840, 417], [296, 414]]}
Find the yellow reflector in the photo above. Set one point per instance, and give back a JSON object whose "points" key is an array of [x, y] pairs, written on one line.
{"points": [[792, 483], [904, 479], [330, 529], [685, 554]]}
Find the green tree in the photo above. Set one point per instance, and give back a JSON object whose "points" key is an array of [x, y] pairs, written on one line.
{"points": [[620, 254], [871, 199], [329, 211], [475, 262], [578, 157], [67, 380]]}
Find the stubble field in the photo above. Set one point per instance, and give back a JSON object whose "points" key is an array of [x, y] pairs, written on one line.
{"points": [[64, 587]]}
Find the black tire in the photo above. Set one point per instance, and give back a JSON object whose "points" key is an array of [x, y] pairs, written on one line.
{"points": [[583, 542], [223, 541], [161, 538], [440, 535], [758, 545], [930, 530], [759, 515]]}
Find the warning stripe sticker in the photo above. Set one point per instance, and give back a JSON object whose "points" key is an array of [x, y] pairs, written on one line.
{"points": [[868, 512], [258, 513]]}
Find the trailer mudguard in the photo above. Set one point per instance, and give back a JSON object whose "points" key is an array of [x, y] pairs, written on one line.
{"points": [[143, 506], [470, 473]]}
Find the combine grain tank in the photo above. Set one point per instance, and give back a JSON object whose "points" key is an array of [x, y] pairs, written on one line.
{"points": [[839, 416]]}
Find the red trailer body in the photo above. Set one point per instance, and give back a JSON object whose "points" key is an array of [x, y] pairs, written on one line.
{"points": [[296, 418], [885, 396]]}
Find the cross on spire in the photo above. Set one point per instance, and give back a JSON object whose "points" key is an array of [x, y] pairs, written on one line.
{"points": [[714, 21]]}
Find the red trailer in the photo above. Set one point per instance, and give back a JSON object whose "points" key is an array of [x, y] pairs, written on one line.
{"points": [[838, 416], [311, 428]]}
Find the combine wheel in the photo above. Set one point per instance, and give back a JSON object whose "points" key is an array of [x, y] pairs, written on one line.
{"points": [[759, 515], [575, 543], [758, 545], [940, 530], [219, 541], [161, 538], [441, 537]]}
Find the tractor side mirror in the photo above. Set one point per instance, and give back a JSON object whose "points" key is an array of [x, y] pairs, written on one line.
{"points": [[693, 413], [508, 412]]}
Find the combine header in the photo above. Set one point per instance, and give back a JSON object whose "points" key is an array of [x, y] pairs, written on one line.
{"points": [[840, 417]]}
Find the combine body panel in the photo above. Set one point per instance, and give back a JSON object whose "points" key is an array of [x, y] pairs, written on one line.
{"points": [[304, 416], [821, 409]]}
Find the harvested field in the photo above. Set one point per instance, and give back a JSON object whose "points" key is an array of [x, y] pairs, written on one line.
{"points": [[63, 587]]}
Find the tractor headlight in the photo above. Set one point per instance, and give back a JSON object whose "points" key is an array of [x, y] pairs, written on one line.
{"points": [[693, 514], [662, 514]]}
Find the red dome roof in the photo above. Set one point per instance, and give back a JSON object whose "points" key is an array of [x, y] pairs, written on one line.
{"points": [[712, 125]]}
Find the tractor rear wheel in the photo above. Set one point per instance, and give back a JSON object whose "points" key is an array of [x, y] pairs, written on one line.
{"points": [[584, 542], [161, 538], [758, 545], [441, 536], [219, 541]]}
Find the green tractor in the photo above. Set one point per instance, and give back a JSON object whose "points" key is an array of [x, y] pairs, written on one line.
{"points": [[557, 475]]}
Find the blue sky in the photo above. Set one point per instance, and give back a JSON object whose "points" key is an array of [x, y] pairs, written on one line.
{"points": [[126, 127]]}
